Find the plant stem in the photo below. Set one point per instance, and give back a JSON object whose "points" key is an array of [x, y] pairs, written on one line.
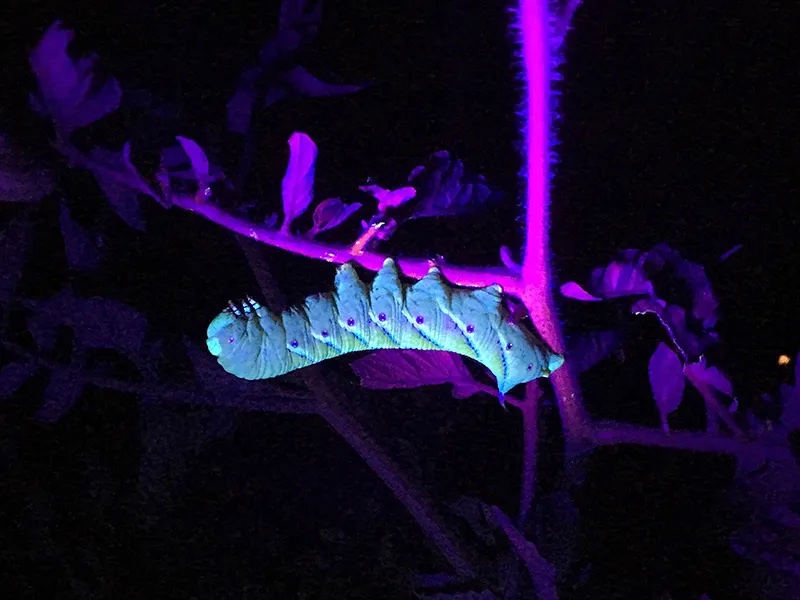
{"points": [[536, 274]]}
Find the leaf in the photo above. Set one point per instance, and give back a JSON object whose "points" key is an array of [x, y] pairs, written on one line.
{"points": [[14, 375], [299, 23], [588, 350], [298, 183], [684, 276], [576, 292], [97, 323], [123, 197], [303, 83], [389, 198], [666, 380], [197, 158], [331, 213], [14, 243], [444, 188], [21, 180], [711, 376], [673, 320], [621, 278], [240, 106], [82, 253], [407, 369], [66, 87], [62, 392]]}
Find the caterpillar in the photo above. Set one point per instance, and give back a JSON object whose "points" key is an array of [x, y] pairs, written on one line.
{"points": [[251, 342]]}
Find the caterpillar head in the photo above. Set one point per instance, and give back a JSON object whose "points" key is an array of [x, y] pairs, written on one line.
{"points": [[229, 337], [525, 356]]}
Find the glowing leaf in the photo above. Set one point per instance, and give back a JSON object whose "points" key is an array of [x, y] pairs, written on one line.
{"points": [[666, 380], [298, 183]]}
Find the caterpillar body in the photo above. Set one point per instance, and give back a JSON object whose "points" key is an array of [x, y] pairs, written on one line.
{"points": [[251, 342]]}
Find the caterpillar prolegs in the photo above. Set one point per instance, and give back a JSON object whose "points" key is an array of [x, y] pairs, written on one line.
{"points": [[253, 343]]}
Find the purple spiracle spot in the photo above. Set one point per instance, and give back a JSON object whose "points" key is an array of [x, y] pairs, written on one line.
{"points": [[530, 367], [470, 328], [231, 340], [324, 333], [351, 321], [509, 346], [420, 320], [294, 344], [382, 317]]}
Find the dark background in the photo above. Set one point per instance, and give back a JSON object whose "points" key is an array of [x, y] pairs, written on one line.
{"points": [[679, 125]]}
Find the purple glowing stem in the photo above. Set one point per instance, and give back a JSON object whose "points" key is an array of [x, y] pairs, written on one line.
{"points": [[538, 65]]}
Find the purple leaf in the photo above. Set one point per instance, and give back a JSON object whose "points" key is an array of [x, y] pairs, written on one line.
{"points": [[298, 183], [588, 350], [21, 180], [14, 242], [445, 189], [666, 380], [621, 278], [683, 276], [60, 395], [240, 106], [726, 255], [576, 292], [97, 323], [331, 213], [197, 158], [300, 81], [187, 153], [673, 319], [123, 197], [14, 375], [66, 87], [80, 247], [406, 369], [389, 198], [711, 376]]}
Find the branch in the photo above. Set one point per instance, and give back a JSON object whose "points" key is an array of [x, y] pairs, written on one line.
{"points": [[542, 573], [264, 400], [607, 434], [415, 268]]}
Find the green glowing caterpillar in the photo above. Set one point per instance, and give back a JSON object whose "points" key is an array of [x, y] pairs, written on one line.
{"points": [[253, 343]]}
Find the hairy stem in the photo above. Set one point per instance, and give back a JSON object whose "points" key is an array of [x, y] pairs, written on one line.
{"points": [[536, 273]]}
